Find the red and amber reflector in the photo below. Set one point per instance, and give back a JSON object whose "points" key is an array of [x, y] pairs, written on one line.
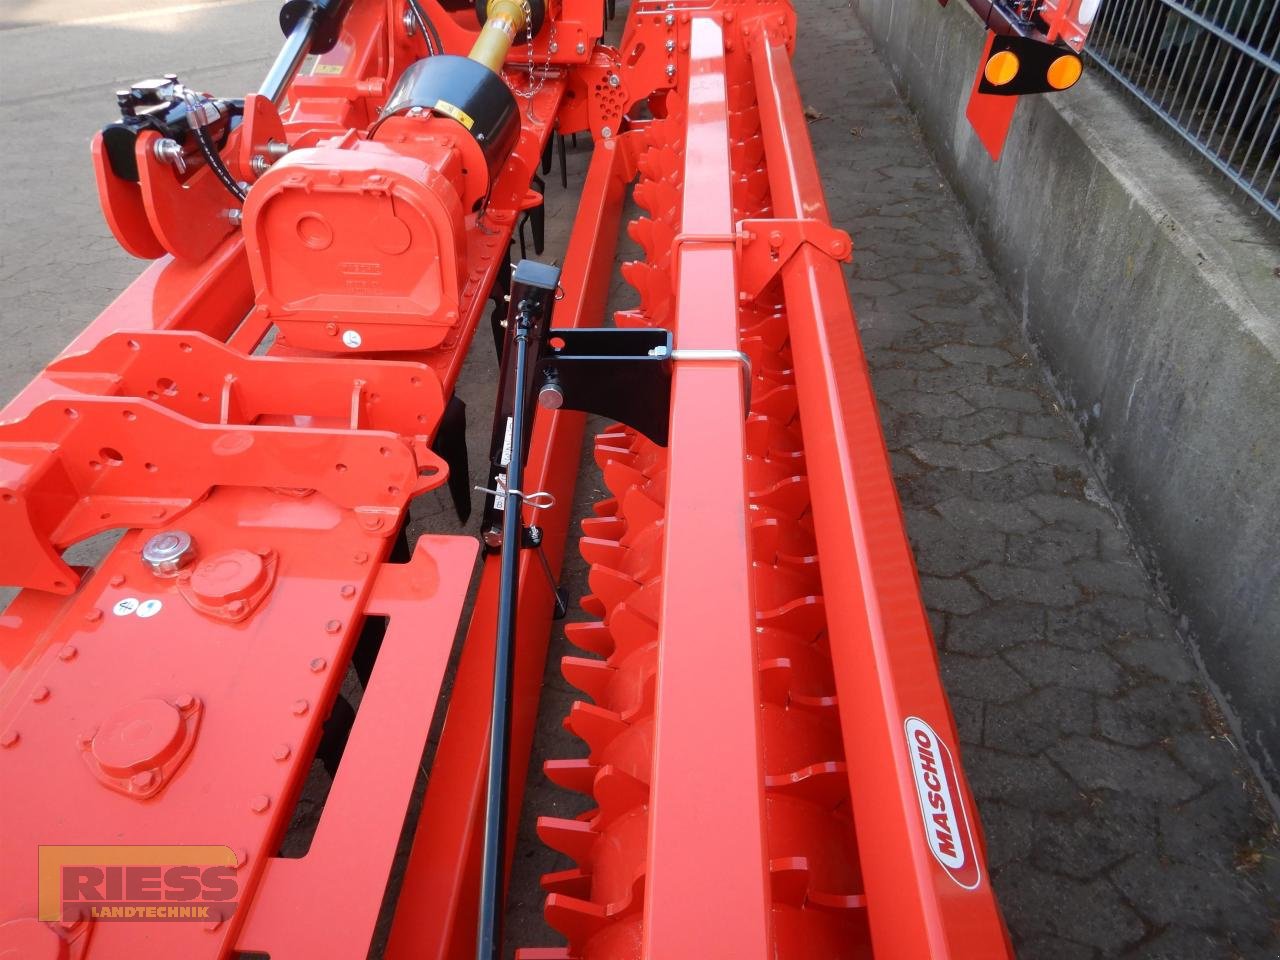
{"points": [[1002, 68], [1064, 72]]}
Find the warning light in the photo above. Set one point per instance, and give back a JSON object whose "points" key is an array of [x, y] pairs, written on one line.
{"points": [[1002, 68], [1063, 72]]}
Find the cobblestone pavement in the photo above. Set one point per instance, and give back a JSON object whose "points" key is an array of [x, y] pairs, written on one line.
{"points": [[1120, 819]]}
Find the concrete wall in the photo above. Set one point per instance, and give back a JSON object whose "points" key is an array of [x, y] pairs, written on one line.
{"points": [[1153, 299]]}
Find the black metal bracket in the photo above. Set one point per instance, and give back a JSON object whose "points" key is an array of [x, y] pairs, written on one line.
{"points": [[619, 373], [533, 293]]}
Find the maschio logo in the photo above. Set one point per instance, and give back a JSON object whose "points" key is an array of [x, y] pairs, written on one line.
{"points": [[946, 824], [137, 883]]}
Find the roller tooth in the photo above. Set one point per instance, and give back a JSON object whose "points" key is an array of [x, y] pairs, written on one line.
{"points": [[577, 920], [775, 584], [835, 901], [765, 473], [825, 784], [775, 680], [652, 283], [605, 553], [631, 751], [772, 641], [803, 615], [612, 587], [765, 536], [661, 162], [618, 477], [574, 838], [605, 508], [619, 435], [577, 775], [640, 509], [779, 401], [632, 319], [654, 236], [806, 562], [618, 792], [796, 740], [660, 198], [604, 528], [590, 635], [789, 497], [817, 704], [647, 601], [765, 341], [592, 677], [604, 453], [758, 431], [593, 605], [789, 880], [546, 953], [596, 726], [631, 631], [568, 883]]}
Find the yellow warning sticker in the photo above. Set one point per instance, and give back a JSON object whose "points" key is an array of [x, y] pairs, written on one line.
{"points": [[330, 69], [450, 110]]}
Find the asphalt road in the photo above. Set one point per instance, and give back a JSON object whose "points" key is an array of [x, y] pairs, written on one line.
{"points": [[59, 69]]}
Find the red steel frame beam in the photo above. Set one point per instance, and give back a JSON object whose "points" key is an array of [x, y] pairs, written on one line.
{"points": [[884, 656], [707, 865]]}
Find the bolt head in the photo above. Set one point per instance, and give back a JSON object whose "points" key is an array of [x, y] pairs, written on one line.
{"points": [[614, 80], [671, 69], [300, 708], [581, 47], [259, 803], [553, 47], [551, 396], [143, 780], [606, 132], [165, 554], [8, 738], [318, 664], [281, 752]]}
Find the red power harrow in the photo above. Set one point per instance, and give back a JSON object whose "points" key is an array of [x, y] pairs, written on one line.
{"points": [[772, 758]]}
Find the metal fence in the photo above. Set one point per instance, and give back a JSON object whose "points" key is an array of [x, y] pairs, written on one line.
{"points": [[1209, 69]]}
